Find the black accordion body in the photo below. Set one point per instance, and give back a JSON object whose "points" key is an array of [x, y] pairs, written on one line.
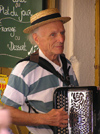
{"points": [[83, 107]]}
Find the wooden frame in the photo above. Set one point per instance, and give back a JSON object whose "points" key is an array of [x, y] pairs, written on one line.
{"points": [[50, 4], [97, 45]]}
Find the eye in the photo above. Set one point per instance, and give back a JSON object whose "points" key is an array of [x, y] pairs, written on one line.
{"points": [[53, 34], [63, 32]]}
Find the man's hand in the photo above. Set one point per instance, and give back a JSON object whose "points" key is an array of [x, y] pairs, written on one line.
{"points": [[57, 117]]}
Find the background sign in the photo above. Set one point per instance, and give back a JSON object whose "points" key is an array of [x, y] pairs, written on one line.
{"points": [[3, 84], [14, 18]]}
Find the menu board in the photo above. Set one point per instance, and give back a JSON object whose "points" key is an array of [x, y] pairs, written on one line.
{"points": [[14, 18]]}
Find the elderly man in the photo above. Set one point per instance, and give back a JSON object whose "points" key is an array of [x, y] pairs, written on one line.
{"points": [[31, 82]]}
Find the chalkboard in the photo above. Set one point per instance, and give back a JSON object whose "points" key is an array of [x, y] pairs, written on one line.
{"points": [[14, 18]]}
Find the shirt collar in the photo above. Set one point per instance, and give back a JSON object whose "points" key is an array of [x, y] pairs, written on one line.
{"points": [[55, 65]]}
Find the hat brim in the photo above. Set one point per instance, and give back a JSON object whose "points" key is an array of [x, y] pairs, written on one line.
{"points": [[31, 28]]}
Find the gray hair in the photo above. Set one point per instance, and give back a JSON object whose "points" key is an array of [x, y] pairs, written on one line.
{"points": [[30, 36]]}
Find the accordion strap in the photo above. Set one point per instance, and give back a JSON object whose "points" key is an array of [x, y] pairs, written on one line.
{"points": [[48, 66]]}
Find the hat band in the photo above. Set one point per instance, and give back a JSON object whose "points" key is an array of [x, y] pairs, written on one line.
{"points": [[52, 16]]}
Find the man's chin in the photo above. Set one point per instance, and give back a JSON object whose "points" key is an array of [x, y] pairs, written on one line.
{"points": [[59, 52]]}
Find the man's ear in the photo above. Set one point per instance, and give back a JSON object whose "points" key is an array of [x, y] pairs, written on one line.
{"points": [[36, 38]]}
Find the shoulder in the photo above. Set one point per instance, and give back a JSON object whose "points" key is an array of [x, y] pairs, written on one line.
{"points": [[24, 67]]}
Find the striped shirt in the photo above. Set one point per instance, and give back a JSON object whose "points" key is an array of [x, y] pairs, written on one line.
{"points": [[30, 81]]}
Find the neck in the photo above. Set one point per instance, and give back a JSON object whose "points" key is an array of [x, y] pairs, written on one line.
{"points": [[54, 59]]}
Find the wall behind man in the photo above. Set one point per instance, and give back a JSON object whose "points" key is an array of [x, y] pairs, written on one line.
{"points": [[80, 38]]}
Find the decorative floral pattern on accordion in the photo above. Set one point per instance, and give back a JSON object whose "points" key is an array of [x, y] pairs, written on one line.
{"points": [[81, 112]]}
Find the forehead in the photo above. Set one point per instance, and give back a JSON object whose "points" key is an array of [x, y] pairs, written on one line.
{"points": [[55, 25]]}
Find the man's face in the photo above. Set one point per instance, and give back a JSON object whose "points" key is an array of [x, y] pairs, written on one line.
{"points": [[51, 38]]}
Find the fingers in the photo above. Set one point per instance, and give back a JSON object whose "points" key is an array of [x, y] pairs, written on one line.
{"points": [[64, 113], [57, 117], [63, 124], [64, 120], [62, 109]]}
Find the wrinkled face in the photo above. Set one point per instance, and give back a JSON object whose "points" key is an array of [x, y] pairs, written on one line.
{"points": [[51, 38]]}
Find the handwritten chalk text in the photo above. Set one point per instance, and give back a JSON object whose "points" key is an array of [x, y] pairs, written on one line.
{"points": [[13, 47], [7, 11], [21, 1], [13, 12], [12, 30], [24, 13]]}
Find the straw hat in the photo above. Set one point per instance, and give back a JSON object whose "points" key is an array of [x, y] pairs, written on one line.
{"points": [[44, 17]]}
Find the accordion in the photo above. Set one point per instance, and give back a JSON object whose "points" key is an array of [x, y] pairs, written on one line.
{"points": [[83, 107]]}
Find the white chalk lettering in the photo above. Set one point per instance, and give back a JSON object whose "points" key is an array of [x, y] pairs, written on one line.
{"points": [[12, 30], [17, 5], [17, 37], [1, 8], [7, 11], [24, 13], [14, 13], [13, 47], [8, 29], [21, 1]]}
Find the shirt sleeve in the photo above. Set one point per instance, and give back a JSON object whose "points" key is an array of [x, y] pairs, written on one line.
{"points": [[17, 89]]}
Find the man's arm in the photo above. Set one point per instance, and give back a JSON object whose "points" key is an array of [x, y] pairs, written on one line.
{"points": [[56, 117]]}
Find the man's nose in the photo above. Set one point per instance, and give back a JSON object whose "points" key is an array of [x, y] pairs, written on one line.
{"points": [[61, 38]]}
